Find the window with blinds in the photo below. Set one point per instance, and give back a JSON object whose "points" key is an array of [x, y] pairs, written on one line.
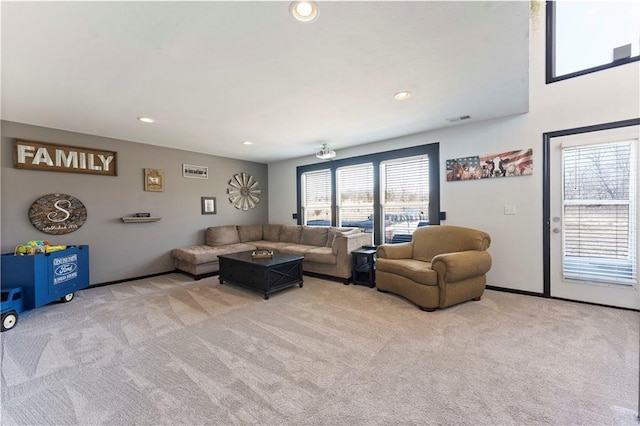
{"points": [[600, 213], [316, 198], [404, 184], [355, 196], [387, 194]]}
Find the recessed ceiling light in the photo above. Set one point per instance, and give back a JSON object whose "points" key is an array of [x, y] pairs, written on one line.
{"points": [[401, 96], [247, 143], [304, 11], [146, 120]]}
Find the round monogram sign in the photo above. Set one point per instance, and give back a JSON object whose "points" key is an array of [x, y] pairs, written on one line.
{"points": [[57, 214]]}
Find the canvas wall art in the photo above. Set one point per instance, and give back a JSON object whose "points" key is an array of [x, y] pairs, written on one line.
{"points": [[504, 164]]}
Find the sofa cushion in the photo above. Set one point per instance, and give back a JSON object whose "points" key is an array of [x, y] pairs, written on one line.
{"points": [[271, 232], [314, 235], [321, 255], [249, 233], [221, 235], [195, 254], [415, 270], [271, 245], [333, 231], [299, 249], [290, 233]]}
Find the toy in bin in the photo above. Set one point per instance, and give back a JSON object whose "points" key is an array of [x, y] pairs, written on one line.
{"points": [[51, 273], [36, 247]]}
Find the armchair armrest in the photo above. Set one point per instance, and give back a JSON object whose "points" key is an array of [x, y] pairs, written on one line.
{"points": [[395, 251], [457, 266]]}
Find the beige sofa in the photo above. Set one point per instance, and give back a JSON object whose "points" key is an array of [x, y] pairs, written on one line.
{"points": [[441, 266], [326, 250]]}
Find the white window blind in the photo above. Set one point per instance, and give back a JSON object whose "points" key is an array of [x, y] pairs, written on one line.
{"points": [[405, 195], [355, 196], [316, 198], [600, 213]]}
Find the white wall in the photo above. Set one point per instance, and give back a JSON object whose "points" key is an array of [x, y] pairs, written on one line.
{"points": [[596, 98]]}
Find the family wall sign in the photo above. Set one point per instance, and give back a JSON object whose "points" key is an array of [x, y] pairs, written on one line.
{"points": [[62, 158]]}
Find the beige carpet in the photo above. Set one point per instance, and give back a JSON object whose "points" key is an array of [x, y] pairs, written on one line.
{"points": [[170, 350]]}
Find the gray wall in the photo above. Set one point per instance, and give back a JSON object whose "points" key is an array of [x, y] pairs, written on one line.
{"points": [[123, 250]]}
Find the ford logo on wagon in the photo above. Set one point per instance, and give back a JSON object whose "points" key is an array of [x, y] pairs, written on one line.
{"points": [[65, 272], [66, 269]]}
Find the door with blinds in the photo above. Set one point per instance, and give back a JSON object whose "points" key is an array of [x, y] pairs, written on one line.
{"points": [[594, 217]]}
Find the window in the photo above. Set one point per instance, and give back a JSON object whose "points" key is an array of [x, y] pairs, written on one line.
{"points": [[404, 196], [599, 213], [355, 196], [316, 205], [388, 194], [582, 36]]}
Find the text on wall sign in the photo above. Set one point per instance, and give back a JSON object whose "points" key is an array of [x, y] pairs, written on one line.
{"points": [[62, 158]]}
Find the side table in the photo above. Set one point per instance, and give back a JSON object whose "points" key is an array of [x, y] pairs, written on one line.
{"points": [[363, 266]]}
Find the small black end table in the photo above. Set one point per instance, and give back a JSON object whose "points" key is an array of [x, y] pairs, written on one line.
{"points": [[363, 266]]}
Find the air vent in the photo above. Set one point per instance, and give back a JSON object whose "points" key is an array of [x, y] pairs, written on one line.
{"points": [[462, 117]]}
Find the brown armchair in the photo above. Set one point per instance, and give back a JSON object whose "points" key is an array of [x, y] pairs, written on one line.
{"points": [[442, 265]]}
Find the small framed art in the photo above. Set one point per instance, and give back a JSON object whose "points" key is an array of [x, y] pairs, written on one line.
{"points": [[198, 172], [208, 205], [153, 180]]}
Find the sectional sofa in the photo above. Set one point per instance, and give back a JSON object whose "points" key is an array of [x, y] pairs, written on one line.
{"points": [[326, 250]]}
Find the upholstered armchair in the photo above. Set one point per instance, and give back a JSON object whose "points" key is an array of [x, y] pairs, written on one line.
{"points": [[442, 265]]}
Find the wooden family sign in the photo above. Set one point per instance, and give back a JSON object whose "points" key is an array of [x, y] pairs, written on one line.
{"points": [[60, 158]]}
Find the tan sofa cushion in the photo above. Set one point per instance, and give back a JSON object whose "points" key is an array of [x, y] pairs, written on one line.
{"points": [[221, 235], [271, 232], [333, 231], [196, 255], [429, 241], [298, 249], [249, 233], [270, 245], [290, 233], [415, 270], [314, 235], [321, 255]]}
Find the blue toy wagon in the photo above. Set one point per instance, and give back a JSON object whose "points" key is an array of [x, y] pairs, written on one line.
{"points": [[29, 282], [11, 307]]}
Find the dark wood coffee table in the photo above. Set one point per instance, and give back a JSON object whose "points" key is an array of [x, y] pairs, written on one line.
{"points": [[265, 276]]}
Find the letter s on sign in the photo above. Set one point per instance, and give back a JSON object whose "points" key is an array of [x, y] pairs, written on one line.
{"points": [[53, 216]]}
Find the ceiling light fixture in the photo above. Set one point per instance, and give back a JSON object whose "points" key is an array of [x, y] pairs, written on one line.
{"points": [[146, 120], [304, 11], [325, 153], [401, 96], [247, 143]]}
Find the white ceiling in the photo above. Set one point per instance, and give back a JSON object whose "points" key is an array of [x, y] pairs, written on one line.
{"points": [[214, 74]]}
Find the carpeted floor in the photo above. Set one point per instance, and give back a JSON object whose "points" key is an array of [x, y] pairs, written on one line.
{"points": [[169, 350]]}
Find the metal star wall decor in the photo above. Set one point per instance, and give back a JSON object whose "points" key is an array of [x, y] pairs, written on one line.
{"points": [[243, 191]]}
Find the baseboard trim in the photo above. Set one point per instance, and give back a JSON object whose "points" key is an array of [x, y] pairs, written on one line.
{"points": [[124, 280], [532, 293], [513, 290]]}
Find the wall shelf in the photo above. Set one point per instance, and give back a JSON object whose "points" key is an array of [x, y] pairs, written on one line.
{"points": [[133, 219]]}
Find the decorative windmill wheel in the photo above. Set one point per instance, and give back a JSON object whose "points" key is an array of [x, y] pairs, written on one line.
{"points": [[243, 191]]}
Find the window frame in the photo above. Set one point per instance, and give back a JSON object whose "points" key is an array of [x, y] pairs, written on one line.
{"points": [[432, 150], [551, 51]]}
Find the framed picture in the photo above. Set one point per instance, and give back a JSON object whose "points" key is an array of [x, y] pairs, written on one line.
{"points": [[153, 180], [197, 172], [208, 205]]}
